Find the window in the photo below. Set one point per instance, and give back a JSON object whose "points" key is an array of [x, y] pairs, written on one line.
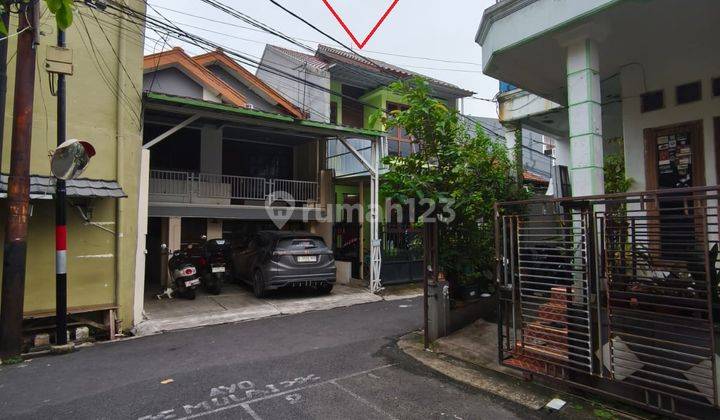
{"points": [[716, 86], [690, 92], [652, 101], [400, 143]]}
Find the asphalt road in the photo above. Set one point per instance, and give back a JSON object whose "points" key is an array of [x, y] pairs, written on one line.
{"points": [[335, 364]]}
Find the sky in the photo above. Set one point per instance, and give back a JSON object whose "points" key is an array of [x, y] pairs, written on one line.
{"points": [[441, 33]]}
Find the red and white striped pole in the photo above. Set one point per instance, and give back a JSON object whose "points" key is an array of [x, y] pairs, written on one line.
{"points": [[60, 217]]}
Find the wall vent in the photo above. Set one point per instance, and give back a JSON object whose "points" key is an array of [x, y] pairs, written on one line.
{"points": [[687, 93], [652, 101]]}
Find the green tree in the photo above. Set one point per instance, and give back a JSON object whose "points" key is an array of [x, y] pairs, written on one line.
{"points": [[614, 168], [464, 172], [62, 9]]}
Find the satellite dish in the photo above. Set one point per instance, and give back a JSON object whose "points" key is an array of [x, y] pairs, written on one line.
{"points": [[71, 158]]}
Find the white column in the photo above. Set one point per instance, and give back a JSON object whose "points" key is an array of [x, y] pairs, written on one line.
{"points": [[214, 229], [211, 150], [375, 251], [174, 235], [510, 130], [585, 117], [142, 225]]}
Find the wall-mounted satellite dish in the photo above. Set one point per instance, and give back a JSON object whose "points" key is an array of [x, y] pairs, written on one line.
{"points": [[71, 158]]}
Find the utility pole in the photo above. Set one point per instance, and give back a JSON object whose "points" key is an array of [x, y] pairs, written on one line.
{"points": [[3, 77], [18, 197], [60, 222]]}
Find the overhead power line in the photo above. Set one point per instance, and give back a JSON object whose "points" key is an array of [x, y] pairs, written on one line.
{"points": [[174, 31], [254, 22], [235, 25]]}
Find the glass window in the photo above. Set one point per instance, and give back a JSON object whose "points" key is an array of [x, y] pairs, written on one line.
{"points": [[393, 148], [406, 148]]}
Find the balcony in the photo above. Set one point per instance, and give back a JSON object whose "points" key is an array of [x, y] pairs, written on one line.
{"points": [[214, 189]]}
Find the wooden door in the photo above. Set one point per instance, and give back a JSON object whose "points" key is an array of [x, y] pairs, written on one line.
{"points": [[674, 160]]}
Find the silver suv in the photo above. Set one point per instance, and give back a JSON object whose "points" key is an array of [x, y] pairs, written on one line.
{"points": [[275, 259]]}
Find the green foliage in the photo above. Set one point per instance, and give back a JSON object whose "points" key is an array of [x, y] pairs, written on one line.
{"points": [[62, 9], [615, 180], [466, 174]]}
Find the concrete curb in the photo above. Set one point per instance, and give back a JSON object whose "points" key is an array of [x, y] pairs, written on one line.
{"points": [[511, 389]]}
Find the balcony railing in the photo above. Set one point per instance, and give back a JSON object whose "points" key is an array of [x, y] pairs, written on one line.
{"points": [[616, 293], [184, 186]]}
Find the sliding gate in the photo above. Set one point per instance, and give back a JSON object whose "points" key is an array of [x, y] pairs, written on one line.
{"points": [[614, 294]]}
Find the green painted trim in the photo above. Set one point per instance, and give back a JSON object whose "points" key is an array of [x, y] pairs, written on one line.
{"points": [[589, 101], [548, 31], [586, 69], [585, 134], [198, 103], [381, 91], [360, 131], [577, 168]]}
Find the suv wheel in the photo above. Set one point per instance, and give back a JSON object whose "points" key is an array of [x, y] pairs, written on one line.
{"points": [[258, 284]]}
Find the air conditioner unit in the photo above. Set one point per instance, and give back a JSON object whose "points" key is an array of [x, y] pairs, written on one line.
{"points": [[249, 106]]}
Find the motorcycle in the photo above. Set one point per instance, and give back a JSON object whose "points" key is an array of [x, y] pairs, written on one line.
{"points": [[183, 273], [215, 255]]}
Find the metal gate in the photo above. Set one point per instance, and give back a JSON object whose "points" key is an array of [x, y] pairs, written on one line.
{"points": [[614, 294]]}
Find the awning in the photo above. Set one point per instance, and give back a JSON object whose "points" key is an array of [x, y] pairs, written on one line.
{"points": [[43, 188]]}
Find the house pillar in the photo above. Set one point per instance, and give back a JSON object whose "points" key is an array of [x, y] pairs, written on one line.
{"points": [[214, 229], [585, 117], [211, 149], [171, 233], [515, 150]]}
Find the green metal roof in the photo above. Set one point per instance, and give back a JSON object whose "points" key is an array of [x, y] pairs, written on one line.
{"points": [[261, 115]]}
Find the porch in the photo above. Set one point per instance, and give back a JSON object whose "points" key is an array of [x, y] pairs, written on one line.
{"points": [[617, 294]]}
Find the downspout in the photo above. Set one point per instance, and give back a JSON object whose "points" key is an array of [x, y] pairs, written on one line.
{"points": [[120, 173]]}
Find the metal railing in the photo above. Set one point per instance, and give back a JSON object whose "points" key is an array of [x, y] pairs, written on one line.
{"points": [[184, 185], [231, 187], [617, 294], [300, 191], [170, 183]]}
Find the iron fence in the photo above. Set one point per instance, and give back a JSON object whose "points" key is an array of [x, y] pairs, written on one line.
{"points": [[614, 293]]}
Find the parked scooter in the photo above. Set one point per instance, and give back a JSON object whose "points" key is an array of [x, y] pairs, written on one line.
{"points": [[215, 257], [183, 273]]}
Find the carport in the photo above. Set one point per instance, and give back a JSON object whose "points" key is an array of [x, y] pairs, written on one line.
{"points": [[209, 195]]}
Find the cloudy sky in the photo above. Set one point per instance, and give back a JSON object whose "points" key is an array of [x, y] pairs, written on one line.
{"points": [[436, 38]]}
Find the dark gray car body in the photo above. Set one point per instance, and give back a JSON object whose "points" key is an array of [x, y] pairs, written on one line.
{"points": [[275, 255]]}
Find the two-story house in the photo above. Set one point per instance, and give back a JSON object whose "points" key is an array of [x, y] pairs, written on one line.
{"points": [[615, 285], [348, 89], [224, 156]]}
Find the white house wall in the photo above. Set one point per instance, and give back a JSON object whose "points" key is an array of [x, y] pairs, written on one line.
{"points": [[667, 76], [172, 81], [313, 100], [521, 20]]}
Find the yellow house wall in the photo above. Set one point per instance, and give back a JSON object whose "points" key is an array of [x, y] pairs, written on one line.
{"points": [[100, 263]]}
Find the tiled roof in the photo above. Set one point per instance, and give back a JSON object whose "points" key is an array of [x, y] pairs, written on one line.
{"points": [[301, 57], [537, 179], [43, 187], [382, 67], [252, 81], [178, 58]]}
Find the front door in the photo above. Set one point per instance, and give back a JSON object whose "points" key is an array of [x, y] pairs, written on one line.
{"points": [[674, 160]]}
